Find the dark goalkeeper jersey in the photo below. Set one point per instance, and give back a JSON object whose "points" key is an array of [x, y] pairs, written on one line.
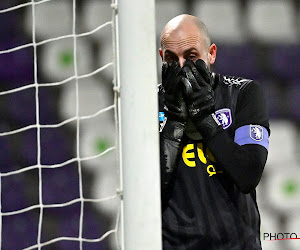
{"points": [[206, 210]]}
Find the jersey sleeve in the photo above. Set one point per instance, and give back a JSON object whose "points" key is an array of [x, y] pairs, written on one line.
{"points": [[252, 122], [244, 158], [252, 106]]}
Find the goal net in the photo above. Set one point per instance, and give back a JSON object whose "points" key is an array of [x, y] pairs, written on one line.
{"points": [[62, 149], [59, 167]]}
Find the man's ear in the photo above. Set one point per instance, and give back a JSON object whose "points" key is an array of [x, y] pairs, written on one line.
{"points": [[212, 53], [161, 54]]}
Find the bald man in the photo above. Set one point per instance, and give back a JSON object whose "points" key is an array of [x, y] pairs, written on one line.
{"points": [[214, 133]]}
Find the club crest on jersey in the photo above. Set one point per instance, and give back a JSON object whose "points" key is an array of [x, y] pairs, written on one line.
{"points": [[256, 132], [224, 117]]}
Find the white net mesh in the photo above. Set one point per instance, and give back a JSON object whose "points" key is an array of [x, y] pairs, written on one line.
{"points": [[59, 169]]}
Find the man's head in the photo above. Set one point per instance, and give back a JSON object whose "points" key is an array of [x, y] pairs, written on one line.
{"points": [[186, 37]]}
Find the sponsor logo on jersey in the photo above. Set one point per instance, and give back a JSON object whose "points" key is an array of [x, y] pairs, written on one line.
{"points": [[190, 153], [224, 117], [256, 132]]}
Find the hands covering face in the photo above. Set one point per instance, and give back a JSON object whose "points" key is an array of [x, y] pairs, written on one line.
{"points": [[172, 77], [188, 91]]}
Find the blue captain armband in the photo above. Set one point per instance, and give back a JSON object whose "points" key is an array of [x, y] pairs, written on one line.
{"points": [[252, 134]]}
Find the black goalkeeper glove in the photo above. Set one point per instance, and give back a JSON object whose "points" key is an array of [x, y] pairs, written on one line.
{"points": [[199, 98], [171, 134], [174, 105]]}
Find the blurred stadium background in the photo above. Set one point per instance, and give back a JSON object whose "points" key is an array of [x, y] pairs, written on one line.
{"points": [[256, 39]]}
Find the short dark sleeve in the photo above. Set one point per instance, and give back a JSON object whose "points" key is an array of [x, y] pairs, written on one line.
{"points": [[252, 106]]}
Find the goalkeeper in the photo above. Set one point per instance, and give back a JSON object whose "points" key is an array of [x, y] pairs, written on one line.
{"points": [[214, 133]]}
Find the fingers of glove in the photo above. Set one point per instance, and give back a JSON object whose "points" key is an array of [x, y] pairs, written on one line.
{"points": [[186, 87], [164, 68], [166, 76], [204, 91], [202, 100], [191, 84], [192, 73], [171, 101], [200, 96], [170, 76], [206, 110], [170, 98], [203, 70], [176, 107], [190, 76], [200, 71], [202, 67], [198, 113], [173, 108], [177, 114], [175, 67]]}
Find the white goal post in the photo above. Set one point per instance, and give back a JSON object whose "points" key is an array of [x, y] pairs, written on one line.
{"points": [[70, 195], [139, 140]]}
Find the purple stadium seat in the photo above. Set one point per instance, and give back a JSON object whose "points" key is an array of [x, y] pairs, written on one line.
{"points": [[61, 222], [28, 146], [237, 60], [285, 61], [16, 68], [273, 97], [6, 154], [60, 185], [13, 199], [19, 231], [55, 146], [95, 224], [294, 100], [21, 107], [47, 106], [93, 228], [8, 25], [102, 245], [8, 3], [64, 245]]}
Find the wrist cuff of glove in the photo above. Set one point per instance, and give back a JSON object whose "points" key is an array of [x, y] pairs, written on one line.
{"points": [[209, 126], [173, 130]]}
